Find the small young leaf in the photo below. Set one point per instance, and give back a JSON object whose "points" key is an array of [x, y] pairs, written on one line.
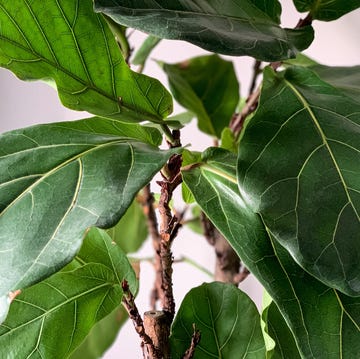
{"points": [[326, 10], [221, 27], [65, 41], [227, 319], [228, 141], [212, 99]]}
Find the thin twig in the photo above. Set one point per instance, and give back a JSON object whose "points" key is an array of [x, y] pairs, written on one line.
{"points": [[149, 211], [256, 73], [227, 266], [237, 121], [195, 340], [128, 301]]}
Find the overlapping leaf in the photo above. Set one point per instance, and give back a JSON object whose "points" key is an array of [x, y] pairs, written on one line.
{"points": [[59, 180], [275, 326], [66, 42], [327, 10], [231, 27], [52, 318], [325, 323], [344, 78], [270, 7], [227, 319], [212, 98], [299, 162], [102, 335]]}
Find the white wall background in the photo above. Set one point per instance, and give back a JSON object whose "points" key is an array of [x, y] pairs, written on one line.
{"points": [[24, 104]]}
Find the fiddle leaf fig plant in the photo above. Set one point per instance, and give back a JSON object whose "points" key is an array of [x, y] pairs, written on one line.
{"points": [[278, 195]]}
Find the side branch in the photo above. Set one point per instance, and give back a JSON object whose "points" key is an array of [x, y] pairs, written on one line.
{"points": [[147, 345], [237, 122]]}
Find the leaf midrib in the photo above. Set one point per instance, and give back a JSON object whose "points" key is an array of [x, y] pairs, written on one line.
{"points": [[58, 167], [56, 65], [216, 15], [323, 137]]}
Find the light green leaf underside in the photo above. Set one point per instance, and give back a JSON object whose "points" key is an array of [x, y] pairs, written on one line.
{"points": [[212, 98], [66, 42], [327, 10], [221, 27], [300, 165], [227, 319], [61, 179], [325, 323], [53, 317]]}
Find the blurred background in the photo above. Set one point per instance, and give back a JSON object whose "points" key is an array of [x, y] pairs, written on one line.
{"points": [[25, 104]]}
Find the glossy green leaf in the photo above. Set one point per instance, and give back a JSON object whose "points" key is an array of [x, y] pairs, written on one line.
{"points": [[67, 43], [227, 319], [300, 166], [276, 327], [52, 318], [327, 10], [131, 231], [344, 78], [213, 180], [229, 28], [212, 98], [325, 323], [59, 180], [270, 7]]}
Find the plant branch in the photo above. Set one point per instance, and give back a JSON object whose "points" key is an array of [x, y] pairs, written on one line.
{"points": [[227, 266], [237, 122], [195, 340], [256, 72], [147, 345], [149, 211]]}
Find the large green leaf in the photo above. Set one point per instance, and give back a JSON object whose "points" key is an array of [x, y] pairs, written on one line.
{"points": [[230, 28], [56, 181], [299, 162], [52, 318], [227, 319], [212, 98], [66, 42], [325, 323], [327, 10]]}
